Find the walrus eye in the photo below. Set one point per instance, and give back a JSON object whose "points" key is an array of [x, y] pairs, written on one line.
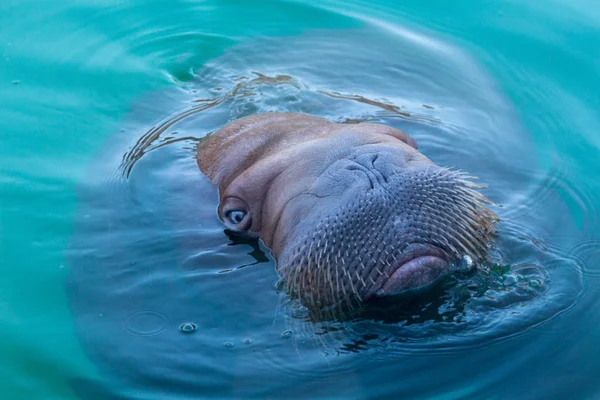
{"points": [[235, 216], [235, 213]]}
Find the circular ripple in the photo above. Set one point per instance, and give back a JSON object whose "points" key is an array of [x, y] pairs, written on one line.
{"points": [[587, 253], [146, 323]]}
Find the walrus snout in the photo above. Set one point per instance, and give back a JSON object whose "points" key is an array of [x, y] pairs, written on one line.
{"points": [[401, 235]]}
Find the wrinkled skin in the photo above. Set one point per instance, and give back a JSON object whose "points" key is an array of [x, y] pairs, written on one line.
{"points": [[349, 211]]}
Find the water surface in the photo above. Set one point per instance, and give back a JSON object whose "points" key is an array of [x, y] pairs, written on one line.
{"points": [[109, 233]]}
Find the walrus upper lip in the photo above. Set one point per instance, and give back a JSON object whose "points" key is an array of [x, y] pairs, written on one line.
{"points": [[421, 265]]}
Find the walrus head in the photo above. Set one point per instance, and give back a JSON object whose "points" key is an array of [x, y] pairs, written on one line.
{"points": [[350, 212]]}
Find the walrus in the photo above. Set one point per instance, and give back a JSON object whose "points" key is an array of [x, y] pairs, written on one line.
{"points": [[350, 211]]}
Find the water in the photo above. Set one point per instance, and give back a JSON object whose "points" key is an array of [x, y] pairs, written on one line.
{"points": [[109, 235]]}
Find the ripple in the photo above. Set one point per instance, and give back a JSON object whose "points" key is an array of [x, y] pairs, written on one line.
{"points": [[587, 254], [557, 184], [147, 323], [243, 87], [469, 313]]}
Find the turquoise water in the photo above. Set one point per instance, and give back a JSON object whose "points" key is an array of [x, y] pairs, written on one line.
{"points": [[109, 235]]}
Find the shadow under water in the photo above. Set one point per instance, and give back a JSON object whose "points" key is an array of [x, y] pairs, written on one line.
{"points": [[148, 253]]}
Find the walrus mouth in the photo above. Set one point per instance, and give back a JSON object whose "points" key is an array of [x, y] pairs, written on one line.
{"points": [[420, 267]]}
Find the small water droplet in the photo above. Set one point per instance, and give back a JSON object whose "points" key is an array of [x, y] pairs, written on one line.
{"points": [[535, 283], [188, 327], [467, 263], [247, 341], [228, 344], [16, 82], [286, 334], [509, 280]]}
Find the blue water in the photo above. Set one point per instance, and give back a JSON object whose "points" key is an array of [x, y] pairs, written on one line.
{"points": [[110, 239]]}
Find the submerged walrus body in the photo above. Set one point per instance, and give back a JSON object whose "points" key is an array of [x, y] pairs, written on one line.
{"points": [[349, 211]]}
